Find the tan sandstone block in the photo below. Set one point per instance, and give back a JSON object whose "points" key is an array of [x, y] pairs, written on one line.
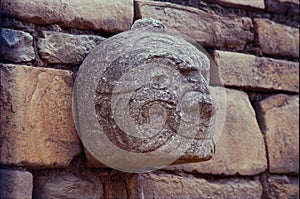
{"points": [[150, 185], [251, 72], [107, 15], [37, 128], [277, 39], [240, 147], [253, 4], [279, 121], [207, 29]]}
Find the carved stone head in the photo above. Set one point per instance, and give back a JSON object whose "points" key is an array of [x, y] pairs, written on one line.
{"points": [[142, 101]]}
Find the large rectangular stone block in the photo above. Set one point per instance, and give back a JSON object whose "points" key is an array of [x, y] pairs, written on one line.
{"points": [[150, 185], [277, 39], [279, 120], [107, 15], [240, 147], [255, 73], [36, 123], [207, 29]]}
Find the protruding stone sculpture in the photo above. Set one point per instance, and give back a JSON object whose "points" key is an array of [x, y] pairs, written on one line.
{"points": [[141, 100]]}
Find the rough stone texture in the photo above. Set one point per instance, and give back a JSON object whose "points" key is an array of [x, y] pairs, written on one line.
{"points": [[91, 161], [279, 120], [277, 39], [108, 15], [281, 187], [240, 148], [255, 73], [171, 186], [17, 24], [65, 48], [66, 184], [36, 126], [15, 184], [253, 4], [290, 7], [207, 29], [16, 45], [115, 186], [156, 73]]}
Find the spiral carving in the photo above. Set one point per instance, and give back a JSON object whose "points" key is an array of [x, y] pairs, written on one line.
{"points": [[150, 96]]}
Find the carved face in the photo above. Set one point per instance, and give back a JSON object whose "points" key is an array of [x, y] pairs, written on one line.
{"points": [[150, 100]]}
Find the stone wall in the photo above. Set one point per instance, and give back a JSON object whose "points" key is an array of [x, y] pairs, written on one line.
{"points": [[255, 45]]}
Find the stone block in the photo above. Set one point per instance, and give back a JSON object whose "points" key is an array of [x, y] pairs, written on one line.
{"points": [[61, 184], [170, 186], [107, 15], [279, 121], [64, 48], [255, 73], [277, 39], [37, 128], [15, 184], [208, 29], [16, 45]]}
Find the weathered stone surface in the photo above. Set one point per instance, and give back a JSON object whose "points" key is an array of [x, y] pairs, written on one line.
{"points": [[108, 15], [290, 7], [281, 187], [37, 128], [249, 71], [277, 39], [207, 29], [240, 147], [78, 182], [138, 79], [115, 186], [91, 161], [66, 184], [15, 184], [17, 24], [65, 48], [253, 4], [16, 45], [171, 186], [279, 120]]}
